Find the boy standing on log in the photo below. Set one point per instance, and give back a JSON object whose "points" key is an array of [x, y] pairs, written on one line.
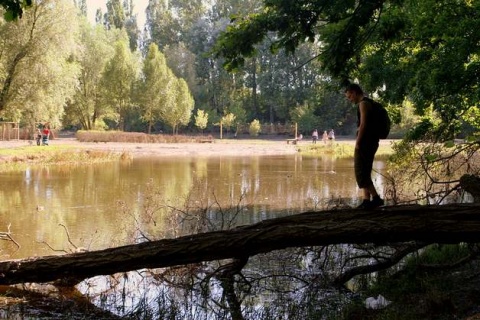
{"points": [[366, 146]]}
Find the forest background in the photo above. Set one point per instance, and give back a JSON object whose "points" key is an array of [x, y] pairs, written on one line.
{"points": [[58, 67]]}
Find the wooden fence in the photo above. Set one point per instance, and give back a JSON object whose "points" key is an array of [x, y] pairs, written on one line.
{"points": [[9, 131]]}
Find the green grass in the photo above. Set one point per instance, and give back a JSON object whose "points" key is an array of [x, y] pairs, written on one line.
{"points": [[19, 158], [339, 150]]}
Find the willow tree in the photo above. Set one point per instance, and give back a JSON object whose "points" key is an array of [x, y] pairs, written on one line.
{"points": [[94, 48], [153, 91], [37, 74]]}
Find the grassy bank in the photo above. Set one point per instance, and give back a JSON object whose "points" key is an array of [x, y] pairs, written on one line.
{"points": [[20, 158], [339, 149]]}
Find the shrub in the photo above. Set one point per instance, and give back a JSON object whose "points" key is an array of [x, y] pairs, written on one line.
{"points": [[134, 137], [255, 128]]}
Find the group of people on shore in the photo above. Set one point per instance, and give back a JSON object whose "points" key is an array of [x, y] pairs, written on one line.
{"points": [[43, 134], [325, 137]]}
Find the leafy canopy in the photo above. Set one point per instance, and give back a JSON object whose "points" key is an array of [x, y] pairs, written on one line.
{"points": [[426, 52], [14, 8]]}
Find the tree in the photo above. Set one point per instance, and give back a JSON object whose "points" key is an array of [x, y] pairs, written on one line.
{"points": [[254, 128], [201, 119], [154, 87], [228, 121], [14, 8], [120, 15], [182, 62], [115, 16], [161, 25], [117, 82], [424, 52], [130, 25], [82, 6], [37, 73], [86, 108], [304, 117], [181, 109]]}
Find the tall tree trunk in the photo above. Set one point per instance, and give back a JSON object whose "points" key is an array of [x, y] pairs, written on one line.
{"points": [[9, 78], [254, 90]]}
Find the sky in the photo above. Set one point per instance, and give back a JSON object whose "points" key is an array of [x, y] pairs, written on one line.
{"points": [[139, 9]]}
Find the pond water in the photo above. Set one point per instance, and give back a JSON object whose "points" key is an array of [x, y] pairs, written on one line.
{"points": [[97, 206], [52, 210]]}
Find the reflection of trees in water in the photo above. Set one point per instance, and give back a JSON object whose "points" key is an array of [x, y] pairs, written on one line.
{"points": [[293, 283], [287, 284], [281, 285]]}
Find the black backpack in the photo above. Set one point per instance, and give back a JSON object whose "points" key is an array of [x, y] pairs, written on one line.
{"points": [[381, 119]]}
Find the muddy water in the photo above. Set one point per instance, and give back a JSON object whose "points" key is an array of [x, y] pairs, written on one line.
{"points": [[56, 210]]}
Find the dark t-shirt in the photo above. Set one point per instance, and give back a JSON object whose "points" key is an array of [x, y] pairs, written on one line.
{"points": [[369, 135]]}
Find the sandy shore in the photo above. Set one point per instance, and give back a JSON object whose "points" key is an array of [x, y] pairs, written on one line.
{"points": [[218, 148], [226, 147]]}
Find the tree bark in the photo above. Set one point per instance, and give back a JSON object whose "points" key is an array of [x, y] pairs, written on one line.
{"points": [[436, 224]]}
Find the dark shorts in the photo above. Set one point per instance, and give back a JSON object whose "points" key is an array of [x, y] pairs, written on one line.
{"points": [[363, 163]]}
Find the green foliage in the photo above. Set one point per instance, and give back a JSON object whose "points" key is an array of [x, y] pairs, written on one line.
{"points": [[254, 128], [117, 83], [24, 157], [153, 89], [14, 8], [423, 52], [228, 121], [439, 254], [332, 110], [86, 109], [433, 283], [339, 150], [37, 75], [201, 119], [305, 118], [180, 111], [115, 17], [423, 55]]}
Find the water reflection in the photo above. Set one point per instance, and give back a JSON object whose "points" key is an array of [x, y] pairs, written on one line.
{"points": [[123, 202], [102, 205]]}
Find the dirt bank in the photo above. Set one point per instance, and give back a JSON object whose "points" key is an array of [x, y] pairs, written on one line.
{"points": [[226, 147], [218, 147]]}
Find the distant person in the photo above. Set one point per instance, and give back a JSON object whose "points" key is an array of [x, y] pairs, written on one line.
{"points": [[331, 135], [39, 136], [314, 136], [366, 145], [325, 136], [300, 137], [46, 134]]}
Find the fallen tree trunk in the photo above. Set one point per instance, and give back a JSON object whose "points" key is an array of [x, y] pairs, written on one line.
{"points": [[440, 224]]}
